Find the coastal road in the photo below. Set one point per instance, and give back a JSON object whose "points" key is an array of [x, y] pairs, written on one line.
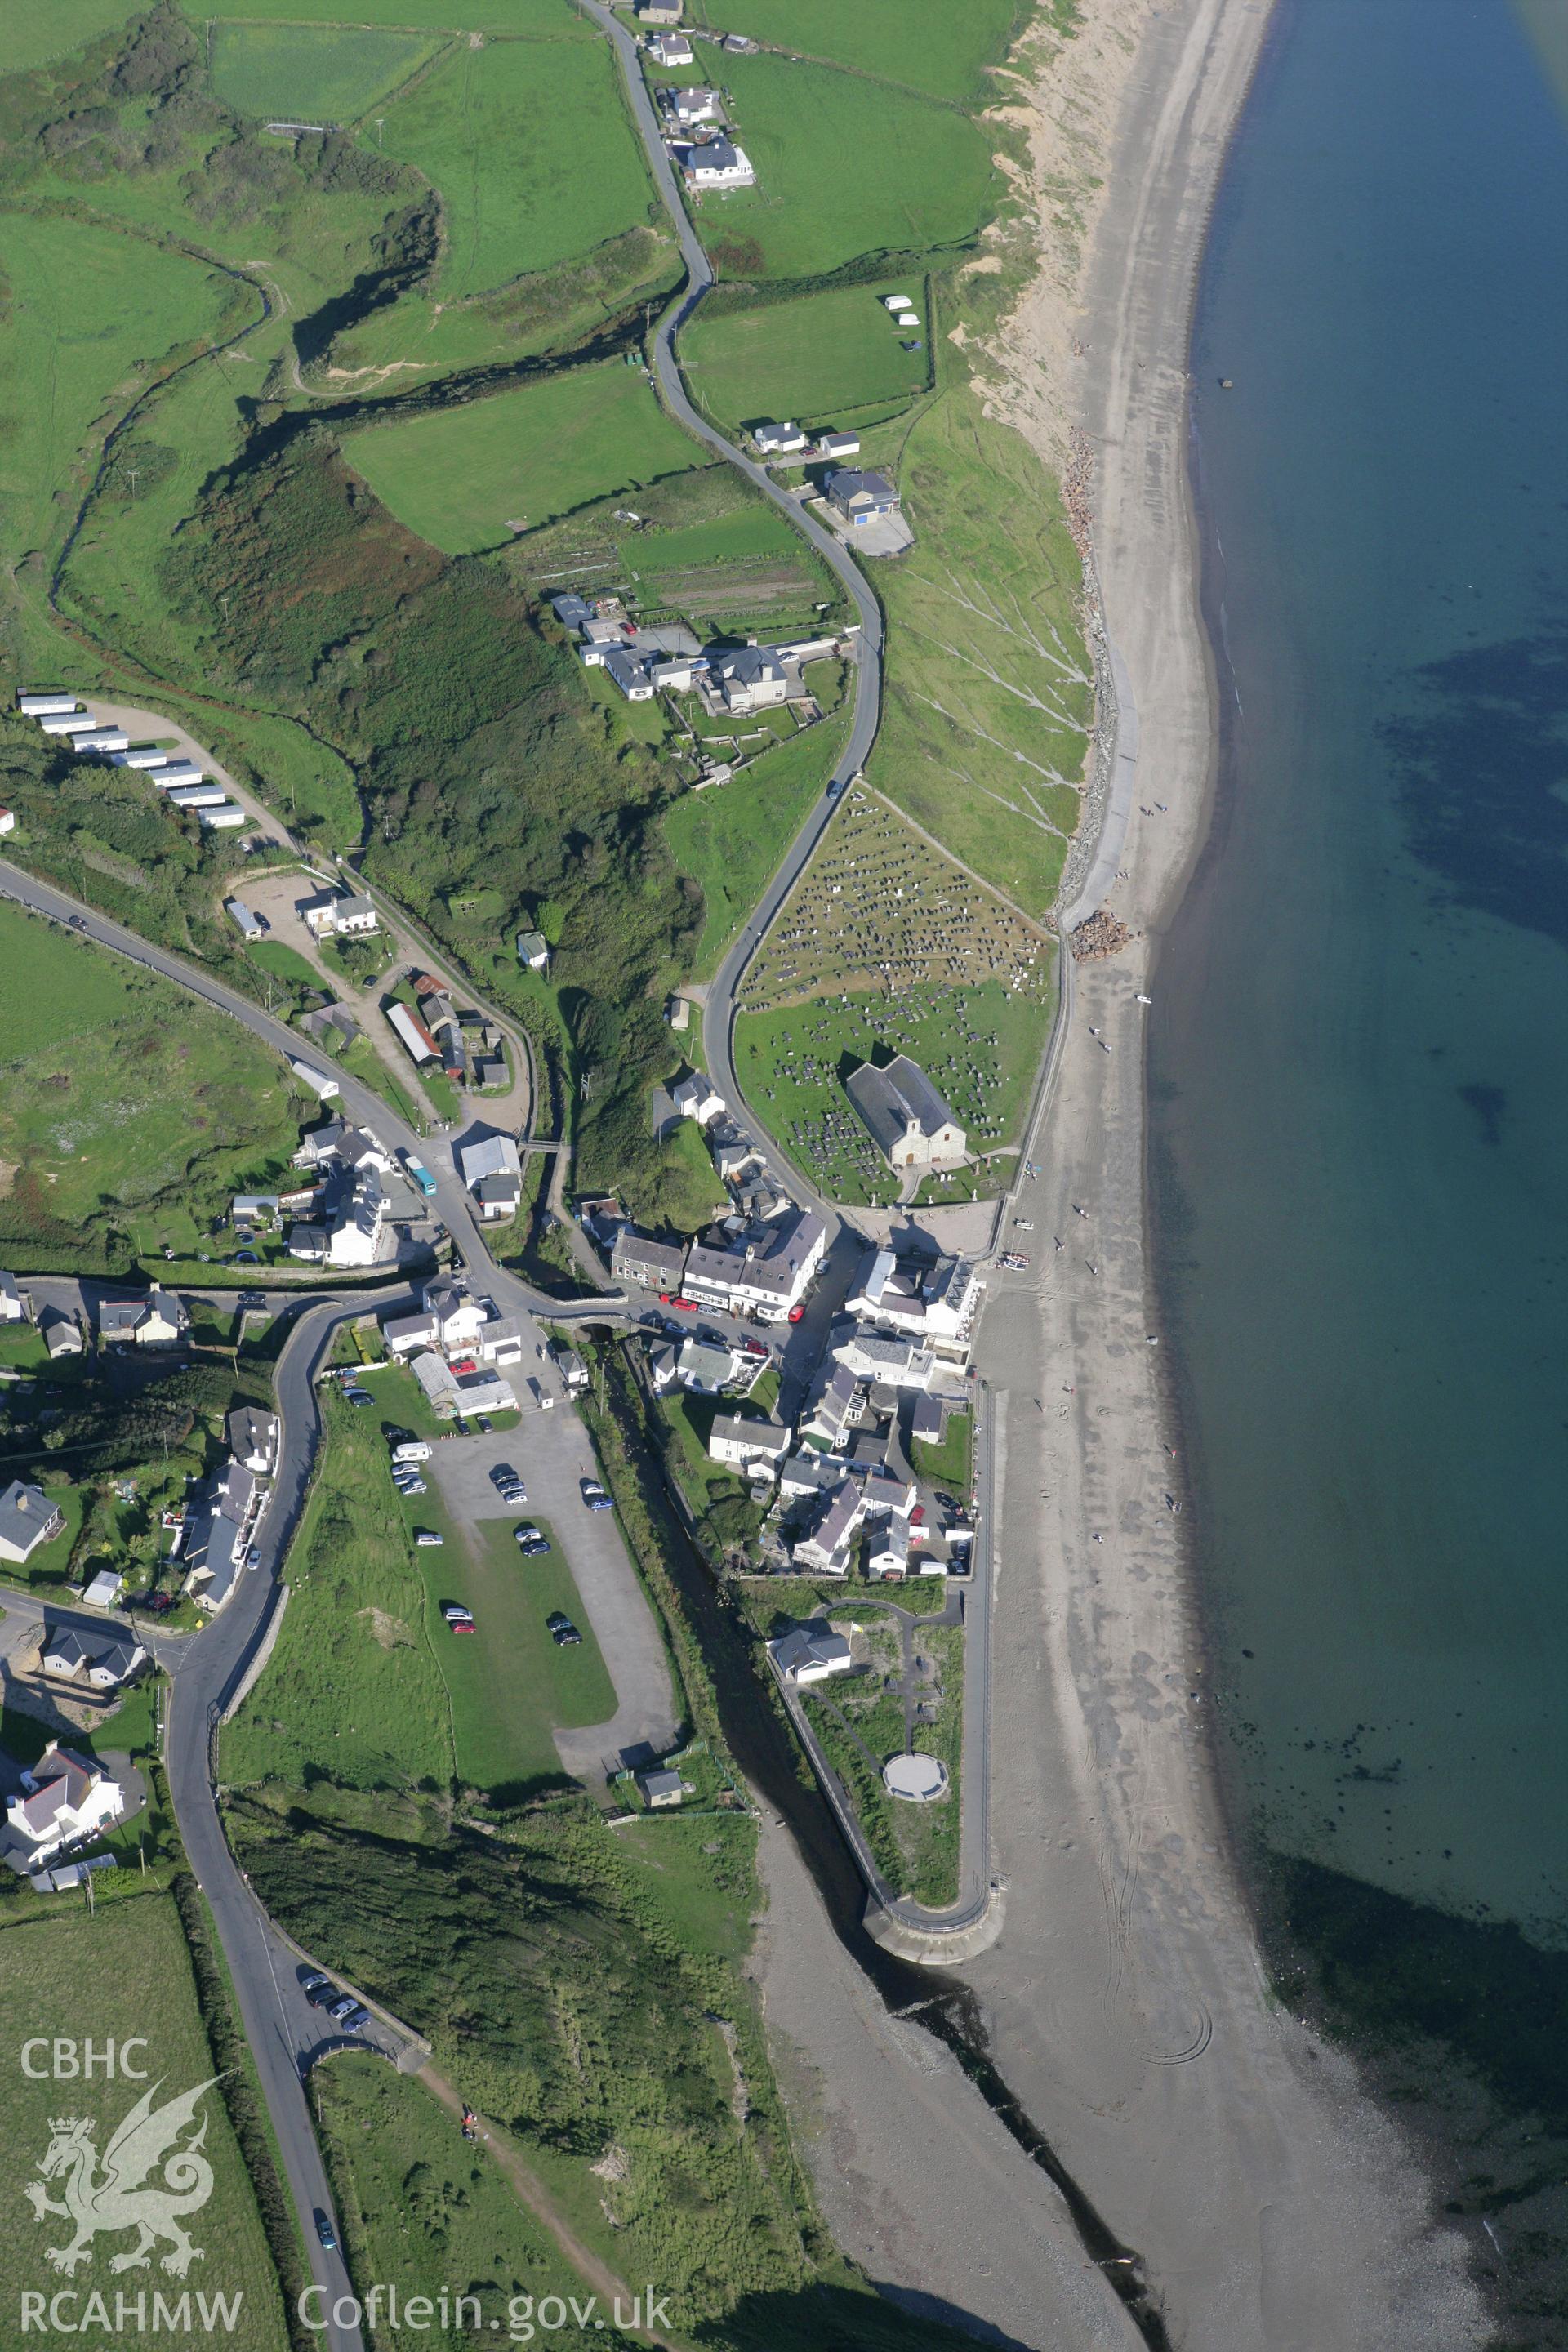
{"points": [[719, 1012]]}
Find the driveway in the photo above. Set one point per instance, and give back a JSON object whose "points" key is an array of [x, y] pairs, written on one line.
{"points": [[154, 727], [553, 1452]]}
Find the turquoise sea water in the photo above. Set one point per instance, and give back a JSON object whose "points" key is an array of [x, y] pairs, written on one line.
{"points": [[1359, 1049]]}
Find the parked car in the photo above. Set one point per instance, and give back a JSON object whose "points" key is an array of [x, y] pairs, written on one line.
{"points": [[340, 2008], [359, 1396], [406, 1448], [465, 1364], [156, 1603], [562, 1632], [314, 1983], [325, 2231], [532, 1540], [459, 1618], [484, 1423], [427, 1539], [411, 1486], [354, 2017], [796, 1313], [514, 1494], [595, 1495]]}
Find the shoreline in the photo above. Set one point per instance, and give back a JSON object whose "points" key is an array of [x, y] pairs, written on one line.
{"points": [[1273, 2204]]}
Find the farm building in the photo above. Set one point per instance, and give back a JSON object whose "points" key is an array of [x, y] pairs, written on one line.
{"points": [[658, 11], [322, 1087], [838, 444], [412, 1034], [909, 1123], [860, 497]]}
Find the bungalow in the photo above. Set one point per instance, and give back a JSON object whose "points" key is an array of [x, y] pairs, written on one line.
{"points": [[670, 50], [11, 1308], [253, 1436], [307, 1243], [64, 1797], [158, 1320], [778, 440], [695, 1097], [707, 1369], [493, 1174], [737, 1440], [716, 163], [838, 444], [106, 1664], [639, 1261], [533, 949], [27, 1518], [810, 1654], [911, 1125]]}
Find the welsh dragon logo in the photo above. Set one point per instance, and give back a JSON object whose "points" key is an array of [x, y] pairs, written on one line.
{"points": [[120, 2195]]}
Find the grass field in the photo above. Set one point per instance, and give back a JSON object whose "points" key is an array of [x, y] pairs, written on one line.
{"points": [[729, 838], [125, 1972], [353, 1691], [503, 133], [820, 358], [933, 46], [532, 20], [951, 1463], [979, 1046], [916, 1845], [988, 685], [32, 36], [120, 1090], [311, 73], [424, 2209], [509, 1683], [843, 167], [90, 314], [463, 478]]}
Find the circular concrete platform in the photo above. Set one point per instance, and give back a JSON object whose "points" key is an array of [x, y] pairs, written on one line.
{"points": [[918, 1780]]}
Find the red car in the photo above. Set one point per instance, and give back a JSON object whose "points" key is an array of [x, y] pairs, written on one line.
{"points": [[686, 1306], [667, 1298], [464, 1364], [796, 1313]]}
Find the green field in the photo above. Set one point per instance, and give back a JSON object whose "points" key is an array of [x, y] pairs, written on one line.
{"points": [[353, 1691], [312, 73], [980, 1046], [92, 314], [503, 132], [820, 358], [988, 690], [423, 2209], [531, 20], [729, 838], [463, 478], [31, 35], [125, 1972], [941, 47], [843, 167], [509, 1682], [121, 1096]]}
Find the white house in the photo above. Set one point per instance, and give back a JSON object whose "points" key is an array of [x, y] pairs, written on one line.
{"points": [[810, 1654], [493, 1174], [532, 950], [888, 1552], [825, 1547], [253, 1436], [159, 1320], [749, 677], [695, 1098], [63, 1798], [670, 48], [896, 1362], [690, 107], [330, 913], [456, 1313], [838, 444], [736, 1441], [625, 671], [935, 1301], [768, 1265], [7, 820], [102, 1660], [717, 163], [27, 1518], [910, 1124], [778, 440], [62, 1334], [11, 1308], [354, 1236]]}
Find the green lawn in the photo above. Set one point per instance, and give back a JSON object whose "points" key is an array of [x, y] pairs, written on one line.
{"points": [[32, 36], [988, 689], [930, 45], [916, 1845], [425, 2211], [311, 73], [951, 1464], [461, 478], [843, 167], [504, 132], [532, 20], [91, 316], [353, 1691], [510, 1685], [127, 1968], [730, 837], [819, 359], [121, 1092], [979, 1045]]}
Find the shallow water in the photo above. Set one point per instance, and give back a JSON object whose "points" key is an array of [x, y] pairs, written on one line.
{"points": [[1359, 1039]]}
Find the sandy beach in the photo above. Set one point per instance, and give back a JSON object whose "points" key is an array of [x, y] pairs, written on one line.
{"points": [[1272, 2207]]}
